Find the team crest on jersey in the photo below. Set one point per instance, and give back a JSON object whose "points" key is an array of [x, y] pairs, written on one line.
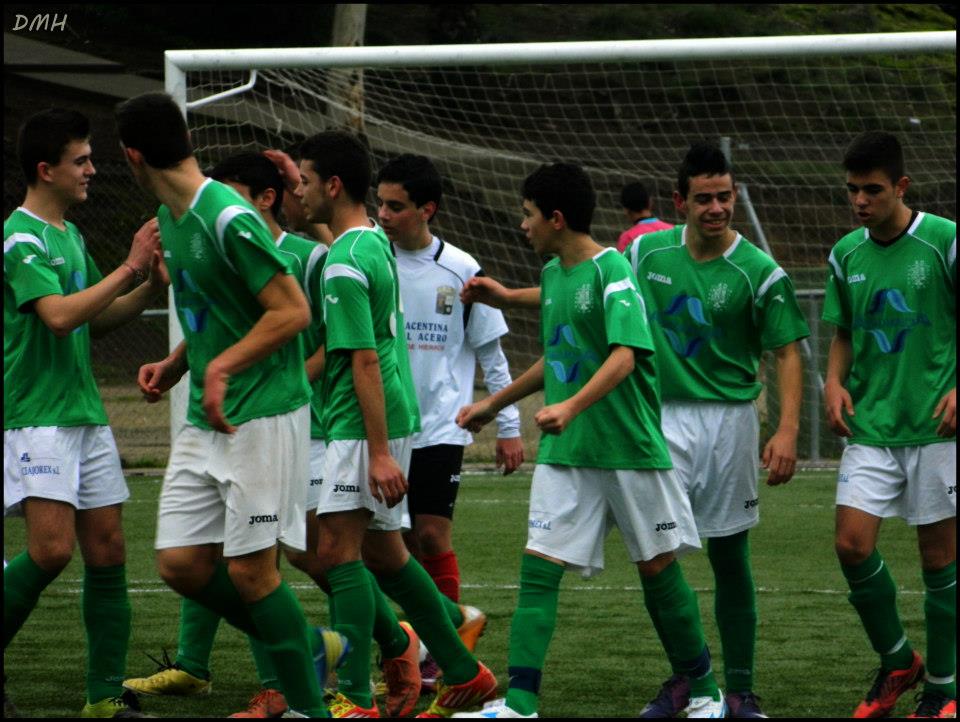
{"points": [[445, 298], [583, 298], [196, 246], [918, 274], [718, 296]]}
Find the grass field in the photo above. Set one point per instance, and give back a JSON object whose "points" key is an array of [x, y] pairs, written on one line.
{"points": [[813, 659]]}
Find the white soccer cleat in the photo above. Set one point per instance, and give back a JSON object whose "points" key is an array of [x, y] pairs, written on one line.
{"points": [[496, 709], [706, 707]]}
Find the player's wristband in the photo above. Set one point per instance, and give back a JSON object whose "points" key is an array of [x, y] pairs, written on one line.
{"points": [[138, 275]]}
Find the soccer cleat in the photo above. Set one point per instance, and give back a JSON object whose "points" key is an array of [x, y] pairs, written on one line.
{"points": [[265, 704], [430, 672], [497, 709], [336, 647], [744, 705], [887, 688], [453, 698], [935, 705], [474, 622], [706, 707], [169, 680], [671, 700], [402, 676], [125, 706], [343, 707]]}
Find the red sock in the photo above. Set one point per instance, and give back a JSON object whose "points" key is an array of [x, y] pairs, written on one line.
{"points": [[445, 573]]}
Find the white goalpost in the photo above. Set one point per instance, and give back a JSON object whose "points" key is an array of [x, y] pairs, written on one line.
{"points": [[487, 115]]}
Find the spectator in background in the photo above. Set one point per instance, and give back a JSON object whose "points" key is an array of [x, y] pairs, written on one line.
{"points": [[638, 207]]}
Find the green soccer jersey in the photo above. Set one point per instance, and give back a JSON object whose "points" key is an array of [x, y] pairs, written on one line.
{"points": [[307, 258], [220, 255], [362, 310], [899, 304], [47, 381], [584, 311], [711, 320]]}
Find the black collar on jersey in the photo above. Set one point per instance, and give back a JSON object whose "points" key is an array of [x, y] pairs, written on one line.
{"points": [[436, 256], [901, 234]]}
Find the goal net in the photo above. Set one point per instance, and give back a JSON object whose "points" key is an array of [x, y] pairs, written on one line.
{"points": [[785, 107]]}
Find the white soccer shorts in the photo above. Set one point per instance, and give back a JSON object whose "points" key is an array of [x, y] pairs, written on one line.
{"points": [[346, 485], [244, 489], [318, 452], [915, 483], [715, 453], [79, 465], [572, 509]]}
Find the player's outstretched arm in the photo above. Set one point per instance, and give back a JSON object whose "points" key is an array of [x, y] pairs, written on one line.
{"points": [[779, 455], [476, 415], [482, 289], [154, 379], [387, 481], [946, 411], [63, 314], [496, 376], [837, 398], [286, 314], [127, 307], [553, 419]]}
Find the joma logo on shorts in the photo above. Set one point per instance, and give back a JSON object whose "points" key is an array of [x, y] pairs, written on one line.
{"points": [[316, 482], [666, 525], [952, 489], [454, 478], [538, 524], [659, 278], [345, 487], [264, 518], [39, 469], [750, 503]]}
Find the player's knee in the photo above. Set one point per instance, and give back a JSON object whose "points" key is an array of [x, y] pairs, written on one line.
{"points": [[180, 572], [52, 555], [433, 541], [852, 550]]}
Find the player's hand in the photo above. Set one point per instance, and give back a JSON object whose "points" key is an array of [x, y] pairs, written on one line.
{"points": [[153, 382], [838, 401], [481, 289], [214, 393], [780, 457], [947, 410], [289, 171], [509, 454], [159, 275], [145, 242], [475, 416], [387, 482], [553, 419]]}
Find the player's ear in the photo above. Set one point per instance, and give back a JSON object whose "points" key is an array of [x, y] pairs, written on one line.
{"points": [[900, 187], [133, 156], [557, 221], [265, 199], [43, 171], [679, 202], [428, 210]]}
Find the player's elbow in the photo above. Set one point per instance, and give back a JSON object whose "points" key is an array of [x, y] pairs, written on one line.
{"points": [[59, 326]]}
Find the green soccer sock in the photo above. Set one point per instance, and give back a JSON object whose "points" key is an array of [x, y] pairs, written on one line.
{"points": [[23, 582], [221, 597], [353, 605], [453, 610], [198, 628], [679, 614], [531, 630], [735, 606], [387, 632], [874, 595], [266, 672], [283, 631], [940, 610], [418, 596], [106, 617], [675, 664]]}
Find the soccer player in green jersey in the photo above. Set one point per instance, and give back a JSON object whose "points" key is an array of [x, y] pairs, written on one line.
{"points": [[61, 465], [257, 179], [602, 455], [370, 414], [234, 483], [891, 390], [715, 302]]}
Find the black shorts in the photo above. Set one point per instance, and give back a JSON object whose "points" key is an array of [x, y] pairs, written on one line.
{"points": [[434, 480]]}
